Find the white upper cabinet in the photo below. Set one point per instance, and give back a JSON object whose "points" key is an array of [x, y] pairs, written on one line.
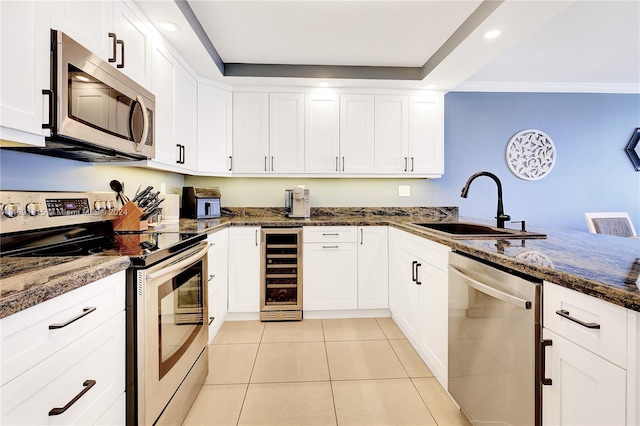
{"points": [[268, 133], [186, 96], [136, 56], [357, 134], [391, 134], [322, 133], [426, 139], [286, 133], [409, 135], [214, 130], [25, 45], [164, 84], [339, 134], [250, 132]]}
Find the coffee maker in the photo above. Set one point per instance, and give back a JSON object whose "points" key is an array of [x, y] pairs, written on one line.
{"points": [[296, 203]]}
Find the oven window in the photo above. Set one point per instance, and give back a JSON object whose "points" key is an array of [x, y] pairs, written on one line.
{"points": [[180, 316]]}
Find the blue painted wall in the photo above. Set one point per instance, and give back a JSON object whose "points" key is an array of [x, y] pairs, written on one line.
{"points": [[592, 171]]}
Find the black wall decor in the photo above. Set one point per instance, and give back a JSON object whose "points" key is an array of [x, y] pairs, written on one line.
{"points": [[633, 148]]}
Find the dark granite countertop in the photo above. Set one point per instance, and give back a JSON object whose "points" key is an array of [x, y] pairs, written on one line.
{"points": [[25, 282], [602, 266]]}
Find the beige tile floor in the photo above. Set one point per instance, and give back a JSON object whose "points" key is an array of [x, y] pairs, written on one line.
{"points": [[319, 372]]}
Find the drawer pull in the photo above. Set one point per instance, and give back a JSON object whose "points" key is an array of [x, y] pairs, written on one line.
{"points": [[565, 314], [334, 234], [86, 311], [88, 384], [330, 247]]}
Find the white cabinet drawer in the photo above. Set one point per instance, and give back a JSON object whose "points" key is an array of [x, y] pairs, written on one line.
{"points": [[432, 252], [604, 326], [99, 356], [27, 338], [330, 234]]}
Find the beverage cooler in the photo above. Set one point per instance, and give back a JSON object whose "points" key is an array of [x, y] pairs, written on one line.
{"points": [[281, 286]]}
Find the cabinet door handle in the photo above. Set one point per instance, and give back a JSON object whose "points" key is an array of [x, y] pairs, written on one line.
{"points": [[256, 237], [179, 153], [230, 163], [182, 153], [211, 320], [411, 163], [336, 164], [88, 384], [272, 163], [343, 164], [86, 311], [405, 164], [265, 164], [418, 275], [361, 236], [113, 48], [545, 380], [49, 93], [413, 271], [565, 314], [121, 43], [211, 277]]}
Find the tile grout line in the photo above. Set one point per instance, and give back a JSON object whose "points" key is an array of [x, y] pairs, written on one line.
{"points": [[326, 354], [250, 375]]}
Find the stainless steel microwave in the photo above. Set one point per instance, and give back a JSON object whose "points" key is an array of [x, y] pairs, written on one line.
{"points": [[96, 113]]}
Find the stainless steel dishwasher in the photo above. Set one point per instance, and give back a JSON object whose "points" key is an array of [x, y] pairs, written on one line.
{"points": [[494, 327]]}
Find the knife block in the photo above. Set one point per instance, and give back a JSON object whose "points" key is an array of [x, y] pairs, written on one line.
{"points": [[129, 219]]}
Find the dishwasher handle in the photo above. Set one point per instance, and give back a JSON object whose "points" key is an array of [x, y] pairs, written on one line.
{"points": [[494, 292]]}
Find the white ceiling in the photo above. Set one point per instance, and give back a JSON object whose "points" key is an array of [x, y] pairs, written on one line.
{"points": [[583, 45]]}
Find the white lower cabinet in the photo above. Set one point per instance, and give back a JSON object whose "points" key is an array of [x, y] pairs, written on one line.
{"points": [[63, 361], [218, 272], [244, 269], [419, 297], [330, 271], [586, 355], [373, 267], [585, 389]]}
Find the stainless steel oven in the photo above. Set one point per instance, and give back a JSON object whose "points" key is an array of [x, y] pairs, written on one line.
{"points": [[172, 360]]}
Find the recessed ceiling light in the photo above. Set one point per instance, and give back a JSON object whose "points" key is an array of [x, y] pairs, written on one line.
{"points": [[168, 26], [491, 34], [82, 78], [323, 84]]}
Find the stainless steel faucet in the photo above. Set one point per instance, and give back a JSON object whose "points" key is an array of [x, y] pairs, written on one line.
{"points": [[500, 216]]}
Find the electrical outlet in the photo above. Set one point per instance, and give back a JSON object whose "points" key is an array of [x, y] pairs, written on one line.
{"points": [[404, 191]]}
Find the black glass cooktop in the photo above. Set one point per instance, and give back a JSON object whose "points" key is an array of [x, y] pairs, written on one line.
{"points": [[141, 247]]}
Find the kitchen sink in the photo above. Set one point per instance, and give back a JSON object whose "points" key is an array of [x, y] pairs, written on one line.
{"points": [[475, 231]]}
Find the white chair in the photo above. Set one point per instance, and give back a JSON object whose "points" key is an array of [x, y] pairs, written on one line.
{"points": [[610, 223]]}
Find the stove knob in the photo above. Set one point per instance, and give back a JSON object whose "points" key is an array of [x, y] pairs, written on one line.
{"points": [[99, 205], [33, 209], [110, 204], [11, 209]]}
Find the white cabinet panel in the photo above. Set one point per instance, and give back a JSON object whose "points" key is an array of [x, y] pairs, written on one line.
{"points": [[250, 132], [99, 356], [585, 389], [244, 269], [330, 234], [130, 28], [214, 130], [25, 44], [186, 95], [164, 86], [357, 134], [330, 276], [426, 140], [391, 134], [322, 133], [373, 267], [286, 133]]}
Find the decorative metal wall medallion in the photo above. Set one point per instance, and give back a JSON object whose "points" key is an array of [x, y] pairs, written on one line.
{"points": [[531, 154]]}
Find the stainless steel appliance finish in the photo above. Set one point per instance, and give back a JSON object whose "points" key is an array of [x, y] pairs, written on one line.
{"points": [[96, 113], [200, 202], [166, 299], [494, 327], [297, 203], [281, 286], [171, 334]]}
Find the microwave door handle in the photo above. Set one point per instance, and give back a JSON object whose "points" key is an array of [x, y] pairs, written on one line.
{"points": [[145, 123], [178, 265]]}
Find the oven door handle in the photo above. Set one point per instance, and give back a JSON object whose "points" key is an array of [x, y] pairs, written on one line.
{"points": [[179, 265], [493, 292]]}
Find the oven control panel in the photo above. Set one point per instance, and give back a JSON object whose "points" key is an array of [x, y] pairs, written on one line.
{"points": [[29, 210]]}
